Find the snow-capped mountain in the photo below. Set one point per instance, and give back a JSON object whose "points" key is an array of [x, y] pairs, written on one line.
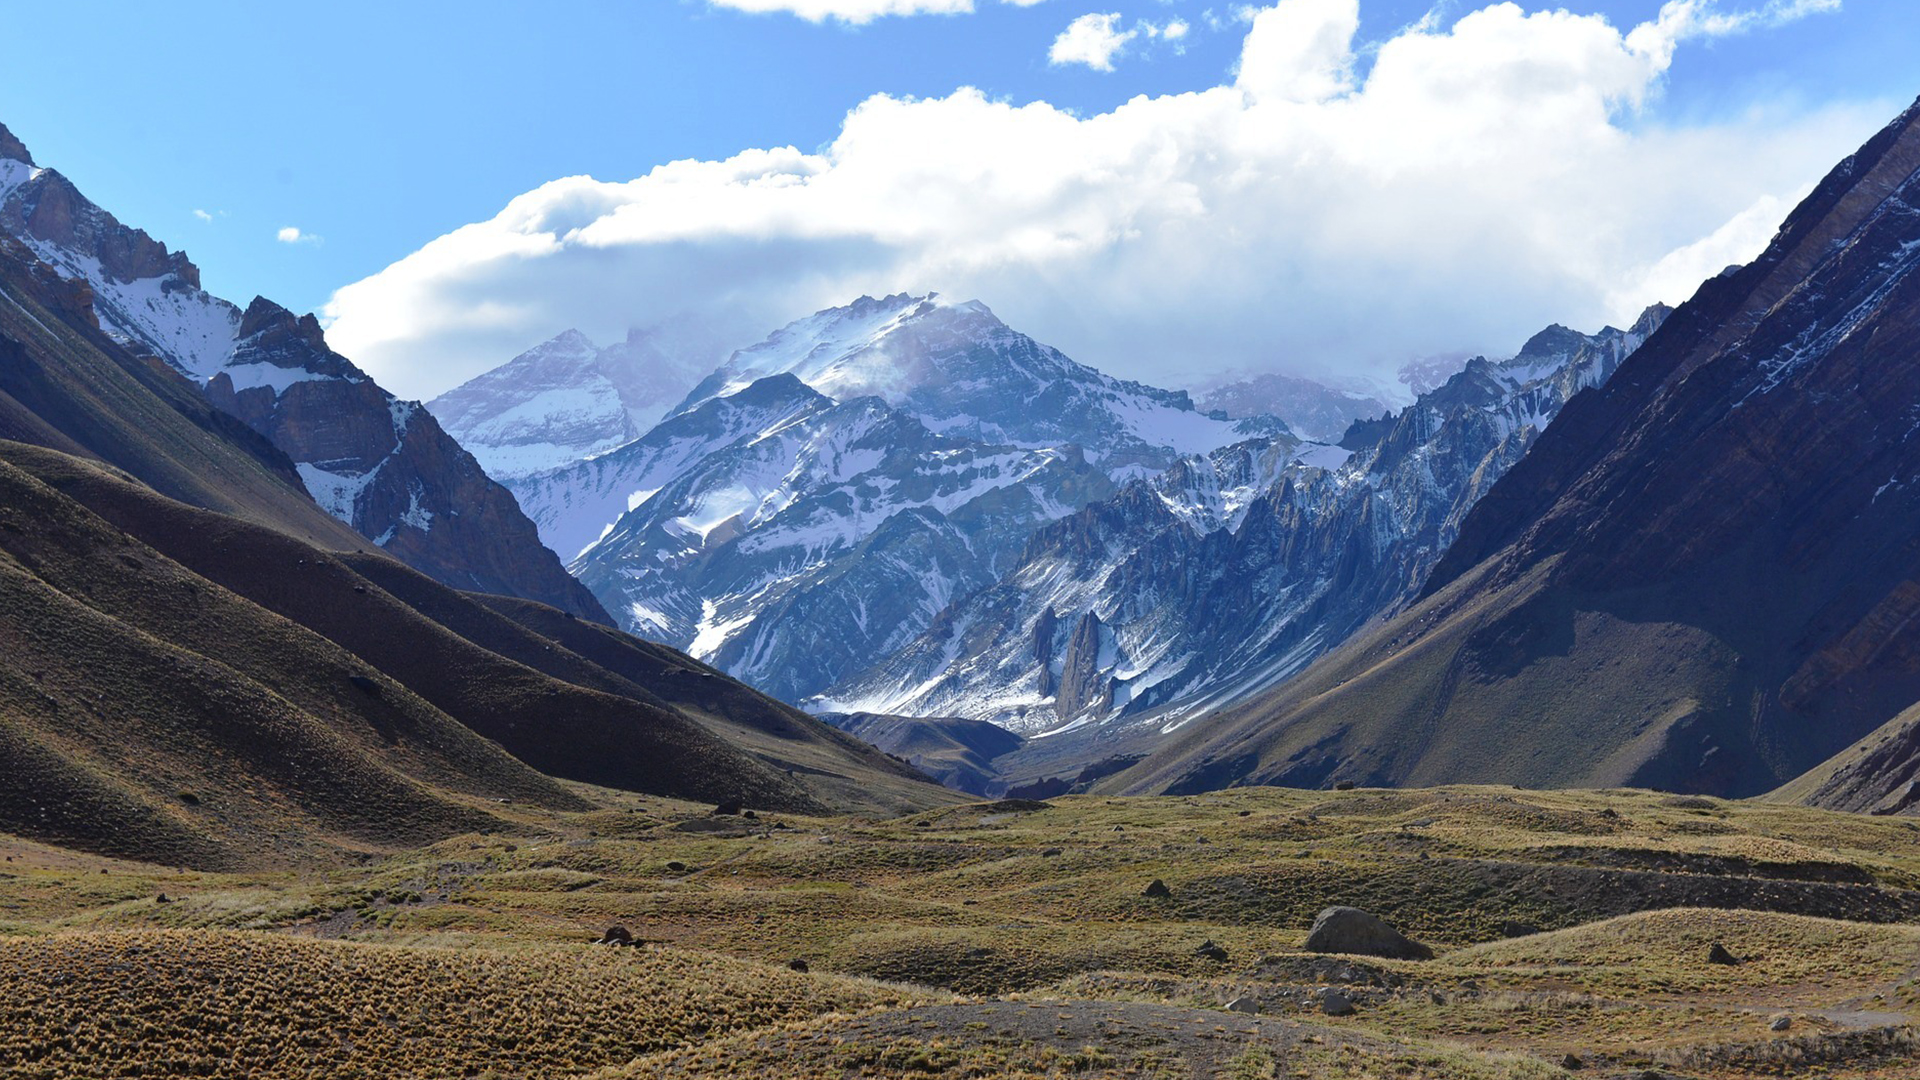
{"points": [[1231, 571], [1311, 409], [1701, 578], [963, 372], [823, 535], [378, 464], [813, 503], [563, 400]]}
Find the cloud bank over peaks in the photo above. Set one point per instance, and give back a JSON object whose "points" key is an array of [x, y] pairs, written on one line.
{"points": [[1472, 183]]}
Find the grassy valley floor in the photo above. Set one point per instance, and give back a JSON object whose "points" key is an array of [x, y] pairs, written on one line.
{"points": [[1572, 933]]}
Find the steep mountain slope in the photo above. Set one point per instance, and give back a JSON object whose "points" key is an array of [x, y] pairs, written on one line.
{"points": [[795, 554], [561, 401], [815, 501], [65, 384], [370, 460], [465, 670], [578, 504], [1227, 574], [1701, 578], [1310, 409], [149, 713]]}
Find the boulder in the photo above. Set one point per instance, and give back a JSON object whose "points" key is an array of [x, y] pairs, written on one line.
{"points": [[797, 965], [1780, 1023], [1514, 929], [1336, 1003], [1350, 930], [1243, 1005], [1157, 890], [616, 935], [1718, 954], [1211, 951]]}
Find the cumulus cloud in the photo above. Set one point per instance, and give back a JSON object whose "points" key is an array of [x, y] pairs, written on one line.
{"points": [[292, 235], [1473, 183], [1093, 39]]}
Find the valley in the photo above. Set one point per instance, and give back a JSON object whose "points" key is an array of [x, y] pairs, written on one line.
{"points": [[1571, 935], [688, 686]]}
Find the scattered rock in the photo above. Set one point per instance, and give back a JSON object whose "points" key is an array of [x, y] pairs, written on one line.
{"points": [[749, 814], [677, 866], [1780, 1023], [1246, 813], [1513, 929], [1050, 853], [1243, 1005], [162, 899], [730, 808], [1211, 951], [1336, 1003], [1345, 785], [1350, 930], [797, 965], [1572, 1061], [1718, 954], [1157, 890], [616, 935]]}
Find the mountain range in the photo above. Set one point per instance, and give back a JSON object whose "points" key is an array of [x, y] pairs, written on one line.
{"points": [[817, 500], [1702, 577], [202, 665], [378, 464]]}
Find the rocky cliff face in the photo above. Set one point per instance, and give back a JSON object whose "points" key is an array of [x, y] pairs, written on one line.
{"points": [[376, 463], [1702, 577], [1229, 573], [788, 538], [815, 502]]}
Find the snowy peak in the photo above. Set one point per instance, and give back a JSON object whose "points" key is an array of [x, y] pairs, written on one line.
{"points": [[831, 350], [369, 460], [963, 372], [562, 400]]}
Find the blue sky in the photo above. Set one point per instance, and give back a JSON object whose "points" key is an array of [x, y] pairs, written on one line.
{"points": [[378, 127]]}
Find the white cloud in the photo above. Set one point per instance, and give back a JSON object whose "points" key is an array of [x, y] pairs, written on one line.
{"points": [[1477, 181], [203, 215], [1175, 29], [292, 235], [1093, 40]]}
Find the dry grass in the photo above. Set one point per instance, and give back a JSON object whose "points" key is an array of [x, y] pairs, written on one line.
{"points": [[180, 1003], [1041, 909]]}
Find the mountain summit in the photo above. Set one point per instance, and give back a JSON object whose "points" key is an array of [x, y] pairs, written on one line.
{"points": [[962, 372], [563, 400]]}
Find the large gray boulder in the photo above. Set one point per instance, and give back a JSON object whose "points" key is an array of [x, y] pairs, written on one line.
{"points": [[1350, 930]]}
